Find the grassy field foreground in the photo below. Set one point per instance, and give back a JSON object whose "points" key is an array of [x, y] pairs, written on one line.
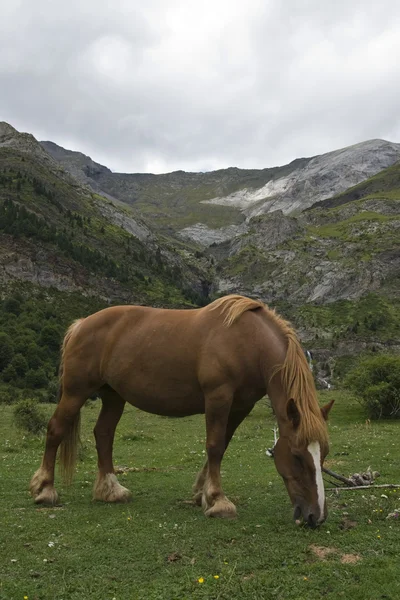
{"points": [[161, 547]]}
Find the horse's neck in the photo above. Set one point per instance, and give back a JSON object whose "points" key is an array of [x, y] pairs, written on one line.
{"points": [[279, 402]]}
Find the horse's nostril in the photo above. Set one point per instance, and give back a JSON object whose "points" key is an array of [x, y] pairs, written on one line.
{"points": [[311, 520]]}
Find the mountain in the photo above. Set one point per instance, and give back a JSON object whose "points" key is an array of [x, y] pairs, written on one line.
{"points": [[56, 232], [215, 206], [319, 239]]}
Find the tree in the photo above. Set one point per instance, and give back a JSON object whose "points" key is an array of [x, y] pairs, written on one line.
{"points": [[20, 364], [50, 337], [9, 374], [12, 305], [6, 350], [36, 379]]}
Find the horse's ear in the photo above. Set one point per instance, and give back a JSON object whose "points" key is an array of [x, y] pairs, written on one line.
{"points": [[293, 413], [325, 410]]}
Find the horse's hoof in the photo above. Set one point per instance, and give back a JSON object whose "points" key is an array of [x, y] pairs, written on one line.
{"points": [[222, 509], [47, 496], [108, 489]]}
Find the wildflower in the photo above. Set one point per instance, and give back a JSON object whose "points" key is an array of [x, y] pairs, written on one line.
{"points": [[379, 537], [129, 518], [305, 578], [216, 576], [25, 597], [201, 580]]}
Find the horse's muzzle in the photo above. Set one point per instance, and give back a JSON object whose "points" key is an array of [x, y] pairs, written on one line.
{"points": [[309, 518]]}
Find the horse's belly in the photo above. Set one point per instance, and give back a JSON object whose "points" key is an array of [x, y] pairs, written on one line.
{"points": [[168, 409], [168, 398]]}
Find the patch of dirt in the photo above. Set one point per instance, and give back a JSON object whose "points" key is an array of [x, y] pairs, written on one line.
{"points": [[322, 552], [175, 556], [347, 524], [350, 559]]}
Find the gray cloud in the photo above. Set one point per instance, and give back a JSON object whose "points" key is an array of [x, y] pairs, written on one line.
{"points": [[166, 85]]}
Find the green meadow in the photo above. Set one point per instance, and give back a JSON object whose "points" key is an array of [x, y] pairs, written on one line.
{"points": [[161, 547]]}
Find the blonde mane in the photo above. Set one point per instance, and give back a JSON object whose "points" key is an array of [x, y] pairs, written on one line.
{"points": [[296, 376]]}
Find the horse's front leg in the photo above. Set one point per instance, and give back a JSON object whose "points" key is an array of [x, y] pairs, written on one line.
{"points": [[214, 502], [107, 488], [234, 420]]}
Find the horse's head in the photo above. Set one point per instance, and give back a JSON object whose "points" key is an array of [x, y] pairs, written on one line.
{"points": [[301, 469]]}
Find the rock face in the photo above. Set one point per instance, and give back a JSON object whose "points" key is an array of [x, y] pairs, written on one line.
{"points": [[80, 166], [322, 177], [26, 143], [191, 203], [319, 257], [205, 236]]}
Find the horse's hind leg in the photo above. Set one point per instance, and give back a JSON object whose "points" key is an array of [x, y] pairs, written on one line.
{"points": [[197, 489], [106, 487], [63, 426]]}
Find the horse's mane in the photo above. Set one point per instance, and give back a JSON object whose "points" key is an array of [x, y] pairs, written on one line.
{"points": [[295, 372]]}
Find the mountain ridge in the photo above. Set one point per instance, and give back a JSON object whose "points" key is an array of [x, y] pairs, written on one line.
{"points": [[214, 206]]}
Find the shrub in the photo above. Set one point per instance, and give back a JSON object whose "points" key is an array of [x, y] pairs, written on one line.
{"points": [[9, 394], [377, 383], [29, 417], [36, 379], [52, 390]]}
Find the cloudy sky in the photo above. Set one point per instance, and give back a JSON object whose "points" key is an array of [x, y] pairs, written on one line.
{"points": [[161, 85]]}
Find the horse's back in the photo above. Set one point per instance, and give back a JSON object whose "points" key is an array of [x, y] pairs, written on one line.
{"points": [[157, 358]]}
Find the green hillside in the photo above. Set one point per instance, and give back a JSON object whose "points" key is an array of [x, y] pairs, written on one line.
{"points": [[62, 257]]}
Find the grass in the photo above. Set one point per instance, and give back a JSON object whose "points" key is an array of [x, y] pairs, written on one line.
{"points": [[160, 546], [343, 229]]}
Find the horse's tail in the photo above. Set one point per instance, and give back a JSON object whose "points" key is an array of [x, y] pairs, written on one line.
{"points": [[69, 445]]}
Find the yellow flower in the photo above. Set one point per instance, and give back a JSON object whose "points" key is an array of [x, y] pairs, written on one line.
{"points": [[200, 580], [216, 576], [305, 578], [25, 597], [129, 518], [379, 537]]}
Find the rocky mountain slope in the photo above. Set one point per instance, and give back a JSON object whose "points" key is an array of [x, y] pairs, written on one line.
{"points": [[54, 232], [212, 207]]}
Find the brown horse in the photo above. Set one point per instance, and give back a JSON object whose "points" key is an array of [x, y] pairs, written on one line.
{"points": [[218, 360]]}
